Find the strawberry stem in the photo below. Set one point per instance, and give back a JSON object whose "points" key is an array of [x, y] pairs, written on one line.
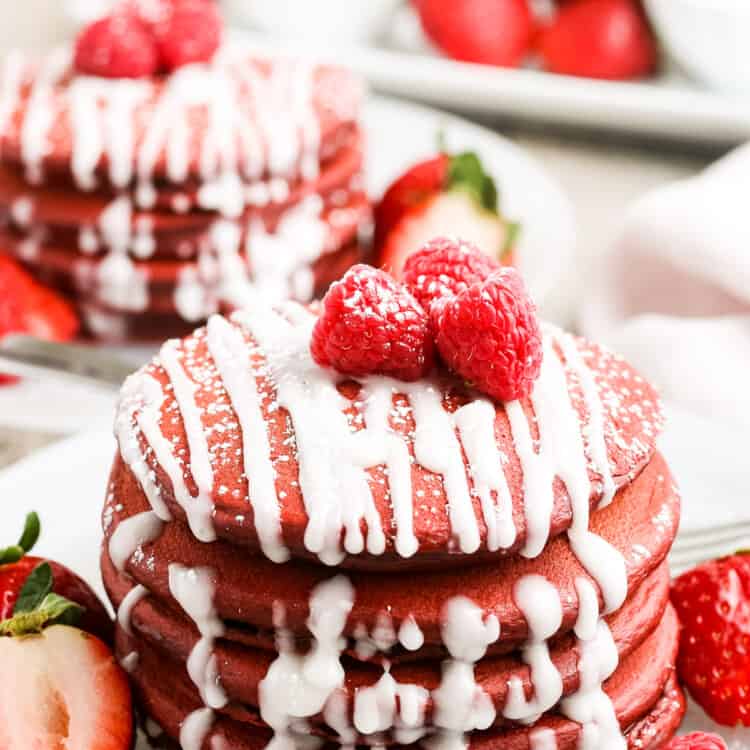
{"points": [[52, 610], [28, 539]]}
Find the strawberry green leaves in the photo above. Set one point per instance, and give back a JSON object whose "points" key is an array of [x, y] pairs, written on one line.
{"points": [[38, 606], [27, 541], [465, 172]]}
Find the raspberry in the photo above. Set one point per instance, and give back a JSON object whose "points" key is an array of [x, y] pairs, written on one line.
{"points": [[117, 46], [713, 602], [371, 324], [445, 267], [697, 741], [190, 33], [489, 334]]}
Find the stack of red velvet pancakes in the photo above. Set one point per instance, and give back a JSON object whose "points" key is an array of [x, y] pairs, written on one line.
{"points": [[153, 202], [302, 558]]}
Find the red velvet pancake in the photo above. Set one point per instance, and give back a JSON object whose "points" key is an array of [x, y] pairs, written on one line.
{"points": [[641, 523], [630, 422], [642, 690]]}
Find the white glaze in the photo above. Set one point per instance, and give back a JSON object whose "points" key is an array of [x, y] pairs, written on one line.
{"points": [[298, 686], [195, 728], [542, 739], [127, 606], [193, 589], [410, 635], [130, 534], [130, 662]]}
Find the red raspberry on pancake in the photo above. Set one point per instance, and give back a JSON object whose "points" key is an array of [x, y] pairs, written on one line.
{"points": [[697, 741], [446, 266], [28, 307], [490, 336], [190, 32], [445, 195], [371, 324], [713, 602], [117, 46]]}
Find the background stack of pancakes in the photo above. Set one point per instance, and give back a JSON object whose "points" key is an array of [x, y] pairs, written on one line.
{"points": [[154, 202], [283, 576]]}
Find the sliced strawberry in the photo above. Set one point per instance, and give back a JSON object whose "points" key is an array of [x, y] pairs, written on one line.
{"points": [[447, 195], [63, 689]]}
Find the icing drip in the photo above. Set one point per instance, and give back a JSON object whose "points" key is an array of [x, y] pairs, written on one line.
{"points": [[199, 510], [193, 589], [128, 605], [542, 739], [539, 601], [299, 686], [10, 85], [22, 211], [195, 729], [121, 284], [130, 662], [460, 705], [130, 534], [229, 351], [40, 114], [410, 635]]}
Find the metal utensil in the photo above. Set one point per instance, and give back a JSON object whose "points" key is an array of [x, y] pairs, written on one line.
{"points": [[44, 360]]}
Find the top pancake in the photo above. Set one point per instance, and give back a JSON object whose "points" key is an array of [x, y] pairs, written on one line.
{"points": [[237, 432], [191, 126]]}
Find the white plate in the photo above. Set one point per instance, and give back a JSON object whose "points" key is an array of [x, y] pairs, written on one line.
{"points": [[398, 134], [669, 106], [66, 483]]}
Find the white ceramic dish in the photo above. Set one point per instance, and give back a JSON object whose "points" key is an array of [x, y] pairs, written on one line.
{"points": [[398, 135], [671, 106], [709, 38], [65, 484]]}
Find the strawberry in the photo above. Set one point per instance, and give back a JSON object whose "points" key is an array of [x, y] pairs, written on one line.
{"points": [[713, 602], [63, 689], [697, 741], [28, 307], [494, 32], [445, 195], [117, 46], [608, 39], [26, 581]]}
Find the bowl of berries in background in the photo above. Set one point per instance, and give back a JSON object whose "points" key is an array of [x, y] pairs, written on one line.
{"points": [[601, 39]]}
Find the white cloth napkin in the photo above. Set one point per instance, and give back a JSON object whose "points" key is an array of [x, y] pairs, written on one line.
{"points": [[673, 296]]}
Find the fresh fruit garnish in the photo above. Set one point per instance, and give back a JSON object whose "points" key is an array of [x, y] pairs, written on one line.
{"points": [[494, 32], [489, 335], [35, 592], [608, 39], [445, 266], [28, 307], [190, 32], [63, 689], [697, 741], [371, 324], [445, 195], [117, 46], [713, 603]]}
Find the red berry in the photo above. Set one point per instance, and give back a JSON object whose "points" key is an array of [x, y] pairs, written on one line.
{"points": [[63, 689], [608, 39], [117, 46], [495, 32], [697, 741], [445, 267], [713, 602], [371, 324], [489, 335], [190, 33]]}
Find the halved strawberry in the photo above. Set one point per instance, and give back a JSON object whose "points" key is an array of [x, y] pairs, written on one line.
{"points": [[447, 195], [26, 581], [62, 688], [26, 306]]}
